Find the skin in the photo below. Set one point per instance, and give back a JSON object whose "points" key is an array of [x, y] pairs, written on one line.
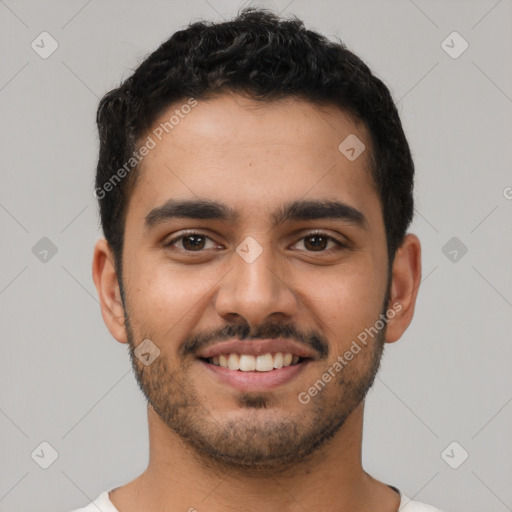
{"points": [[210, 443]]}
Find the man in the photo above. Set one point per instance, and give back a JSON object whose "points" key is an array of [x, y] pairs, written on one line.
{"points": [[255, 189]]}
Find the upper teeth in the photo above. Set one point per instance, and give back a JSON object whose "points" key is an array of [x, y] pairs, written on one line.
{"points": [[248, 363]]}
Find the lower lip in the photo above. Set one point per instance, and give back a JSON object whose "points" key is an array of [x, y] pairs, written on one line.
{"points": [[255, 381]]}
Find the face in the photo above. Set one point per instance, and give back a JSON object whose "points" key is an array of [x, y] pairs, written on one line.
{"points": [[249, 268]]}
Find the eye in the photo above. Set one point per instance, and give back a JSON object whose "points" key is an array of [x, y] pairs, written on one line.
{"points": [[317, 242], [191, 241]]}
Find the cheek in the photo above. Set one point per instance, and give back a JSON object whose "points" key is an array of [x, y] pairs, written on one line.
{"points": [[161, 296], [346, 301]]}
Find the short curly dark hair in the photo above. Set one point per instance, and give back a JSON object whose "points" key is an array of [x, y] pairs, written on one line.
{"points": [[264, 57]]}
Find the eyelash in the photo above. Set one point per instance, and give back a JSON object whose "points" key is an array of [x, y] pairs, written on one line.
{"points": [[313, 233]]}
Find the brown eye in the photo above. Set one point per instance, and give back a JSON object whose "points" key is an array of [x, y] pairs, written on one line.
{"points": [[315, 242], [193, 242], [318, 242], [190, 242]]}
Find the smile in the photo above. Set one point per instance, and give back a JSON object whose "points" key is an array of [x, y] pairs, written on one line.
{"points": [[250, 363], [249, 373]]}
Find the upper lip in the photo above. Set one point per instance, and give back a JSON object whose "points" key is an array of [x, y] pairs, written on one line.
{"points": [[256, 347]]}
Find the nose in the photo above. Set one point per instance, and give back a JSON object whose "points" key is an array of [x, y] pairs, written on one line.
{"points": [[256, 289]]}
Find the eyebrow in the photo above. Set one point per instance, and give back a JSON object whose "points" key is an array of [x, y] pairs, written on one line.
{"points": [[298, 210]]}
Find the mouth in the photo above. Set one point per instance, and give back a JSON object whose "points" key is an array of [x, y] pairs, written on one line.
{"points": [[251, 363], [246, 372]]}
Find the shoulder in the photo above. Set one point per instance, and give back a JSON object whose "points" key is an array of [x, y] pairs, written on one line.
{"points": [[408, 505], [101, 504]]}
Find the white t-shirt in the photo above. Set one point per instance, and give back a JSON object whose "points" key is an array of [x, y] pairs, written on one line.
{"points": [[103, 504]]}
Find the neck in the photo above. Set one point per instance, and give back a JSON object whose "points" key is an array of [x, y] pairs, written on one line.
{"points": [[331, 479]]}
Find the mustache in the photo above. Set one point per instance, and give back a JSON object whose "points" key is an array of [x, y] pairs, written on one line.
{"points": [[267, 331]]}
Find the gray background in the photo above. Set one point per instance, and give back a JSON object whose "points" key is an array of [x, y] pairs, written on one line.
{"points": [[64, 380]]}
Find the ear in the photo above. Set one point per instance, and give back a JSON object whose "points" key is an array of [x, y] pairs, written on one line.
{"points": [[107, 286], [406, 278]]}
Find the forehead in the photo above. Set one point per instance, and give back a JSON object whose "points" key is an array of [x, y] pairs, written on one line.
{"points": [[253, 156]]}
